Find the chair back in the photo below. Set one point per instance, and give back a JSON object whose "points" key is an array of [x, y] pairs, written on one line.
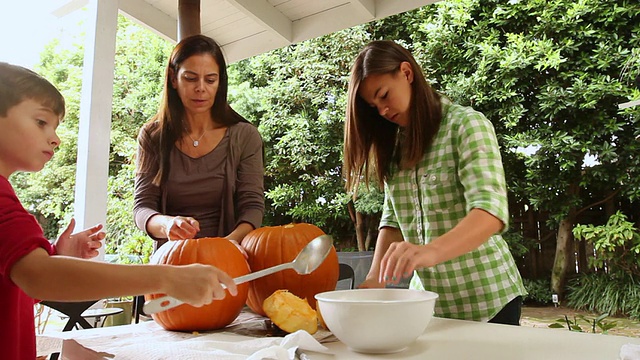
{"points": [[346, 272]]}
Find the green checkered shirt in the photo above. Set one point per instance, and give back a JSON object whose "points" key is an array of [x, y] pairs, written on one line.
{"points": [[461, 171]]}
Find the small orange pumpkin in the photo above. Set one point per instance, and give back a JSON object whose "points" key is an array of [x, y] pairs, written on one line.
{"points": [[274, 245], [218, 252]]}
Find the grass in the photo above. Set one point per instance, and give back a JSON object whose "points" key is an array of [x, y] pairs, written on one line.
{"points": [[543, 316]]}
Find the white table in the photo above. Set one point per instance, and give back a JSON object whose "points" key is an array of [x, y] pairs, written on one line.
{"points": [[443, 339], [99, 315], [457, 339]]}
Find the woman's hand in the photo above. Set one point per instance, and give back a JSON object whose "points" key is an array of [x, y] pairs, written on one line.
{"points": [[84, 244], [239, 233], [242, 250], [181, 227]]}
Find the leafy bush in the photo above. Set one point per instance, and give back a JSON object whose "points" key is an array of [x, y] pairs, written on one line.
{"points": [[539, 291], [518, 244], [617, 245], [604, 293]]}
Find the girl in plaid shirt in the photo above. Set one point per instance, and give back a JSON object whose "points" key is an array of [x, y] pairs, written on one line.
{"points": [[445, 192]]}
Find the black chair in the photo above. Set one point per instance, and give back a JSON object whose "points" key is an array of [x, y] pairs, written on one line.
{"points": [[346, 273], [138, 303], [74, 311]]}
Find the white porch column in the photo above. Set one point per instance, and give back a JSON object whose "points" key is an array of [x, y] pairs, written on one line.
{"points": [[95, 115]]}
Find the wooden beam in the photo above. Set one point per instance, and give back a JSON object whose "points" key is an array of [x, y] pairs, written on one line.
{"points": [[188, 18], [151, 18], [386, 8], [63, 8], [365, 9], [326, 22], [268, 16], [249, 46]]}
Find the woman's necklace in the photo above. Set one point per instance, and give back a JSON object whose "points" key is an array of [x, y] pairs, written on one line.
{"points": [[196, 142]]}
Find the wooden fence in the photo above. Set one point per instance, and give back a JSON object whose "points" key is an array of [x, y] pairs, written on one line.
{"points": [[532, 225], [538, 263]]}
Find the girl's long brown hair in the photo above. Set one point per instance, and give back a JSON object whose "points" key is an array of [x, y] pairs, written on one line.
{"points": [[371, 143], [155, 150]]}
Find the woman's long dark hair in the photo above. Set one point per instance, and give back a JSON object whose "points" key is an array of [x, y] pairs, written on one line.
{"points": [[370, 141], [170, 117]]}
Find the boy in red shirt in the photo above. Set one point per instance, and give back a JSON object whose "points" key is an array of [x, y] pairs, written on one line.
{"points": [[30, 267]]}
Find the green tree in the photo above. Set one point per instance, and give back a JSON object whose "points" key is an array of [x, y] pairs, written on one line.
{"points": [[617, 244], [48, 194], [549, 75], [365, 212], [141, 58], [296, 96]]}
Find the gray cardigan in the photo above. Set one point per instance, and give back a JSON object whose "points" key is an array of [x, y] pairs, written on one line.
{"points": [[243, 186]]}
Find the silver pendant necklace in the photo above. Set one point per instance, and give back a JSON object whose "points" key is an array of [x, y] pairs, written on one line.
{"points": [[196, 142]]}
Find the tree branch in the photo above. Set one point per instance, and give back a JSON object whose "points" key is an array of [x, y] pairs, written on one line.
{"points": [[598, 202]]}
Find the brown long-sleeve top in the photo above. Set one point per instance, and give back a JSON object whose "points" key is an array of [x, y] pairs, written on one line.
{"points": [[220, 189]]}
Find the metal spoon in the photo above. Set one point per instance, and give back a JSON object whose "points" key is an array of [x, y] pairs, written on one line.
{"points": [[306, 262]]}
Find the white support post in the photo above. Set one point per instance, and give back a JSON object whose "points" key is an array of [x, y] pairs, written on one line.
{"points": [[629, 104], [95, 116]]}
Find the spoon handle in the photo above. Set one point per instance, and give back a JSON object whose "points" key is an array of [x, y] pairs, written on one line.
{"points": [[160, 304], [261, 273], [169, 302]]}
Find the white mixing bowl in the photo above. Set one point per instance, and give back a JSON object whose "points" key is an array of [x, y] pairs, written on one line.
{"points": [[377, 320]]}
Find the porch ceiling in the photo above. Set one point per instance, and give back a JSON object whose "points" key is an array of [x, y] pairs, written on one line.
{"points": [[245, 28]]}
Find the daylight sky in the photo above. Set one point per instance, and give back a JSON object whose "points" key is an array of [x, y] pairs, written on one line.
{"points": [[27, 25]]}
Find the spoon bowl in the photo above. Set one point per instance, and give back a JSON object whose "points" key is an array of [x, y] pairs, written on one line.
{"points": [[312, 255], [309, 259]]}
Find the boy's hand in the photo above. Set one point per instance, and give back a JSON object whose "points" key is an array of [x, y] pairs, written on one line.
{"points": [[84, 244], [199, 284]]}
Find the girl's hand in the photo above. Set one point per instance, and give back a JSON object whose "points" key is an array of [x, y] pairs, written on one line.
{"points": [[84, 244], [182, 227], [371, 283], [401, 259]]}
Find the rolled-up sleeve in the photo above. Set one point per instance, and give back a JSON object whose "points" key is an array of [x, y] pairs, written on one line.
{"points": [[388, 217], [480, 167]]}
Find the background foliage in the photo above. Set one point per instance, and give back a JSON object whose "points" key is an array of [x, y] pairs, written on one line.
{"points": [[140, 61]]}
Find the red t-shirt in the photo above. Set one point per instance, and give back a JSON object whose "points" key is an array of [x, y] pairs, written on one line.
{"points": [[20, 234]]}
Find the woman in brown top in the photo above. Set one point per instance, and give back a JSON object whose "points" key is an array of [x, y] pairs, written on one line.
{"points": [[200, 167]]}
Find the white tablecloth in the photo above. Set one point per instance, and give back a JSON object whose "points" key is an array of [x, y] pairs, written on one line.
{"points": [[443, 339]]}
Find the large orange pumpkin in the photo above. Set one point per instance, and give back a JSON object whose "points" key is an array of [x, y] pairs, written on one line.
{"points": [[218, 252], [275, 245]]}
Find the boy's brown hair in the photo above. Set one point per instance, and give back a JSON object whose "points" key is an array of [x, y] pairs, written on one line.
{"points": [[18, 84]]}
